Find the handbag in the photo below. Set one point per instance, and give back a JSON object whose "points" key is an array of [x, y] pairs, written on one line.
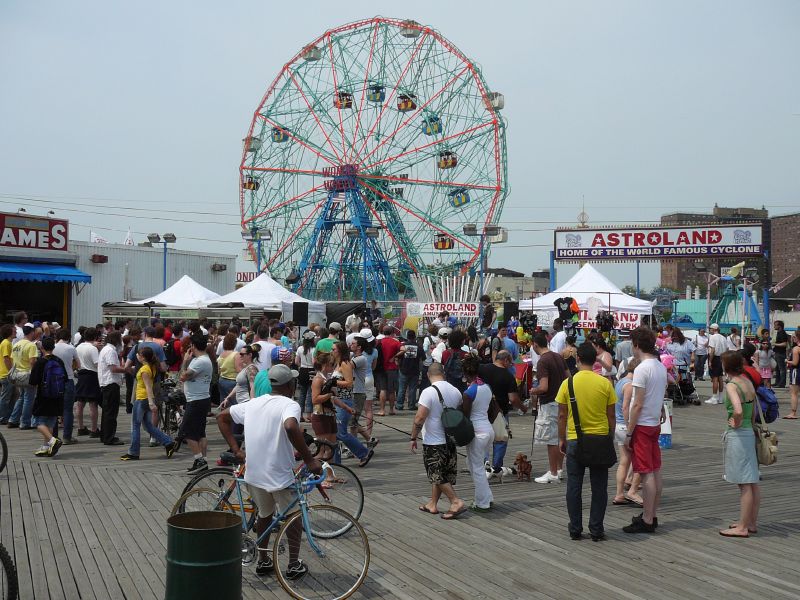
{"points": [[498, 422], [593, 450], [17, 377], [457, 427], [766, 440]]}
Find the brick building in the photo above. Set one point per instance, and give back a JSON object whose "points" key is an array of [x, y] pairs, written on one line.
{"points": [[785, 247]]}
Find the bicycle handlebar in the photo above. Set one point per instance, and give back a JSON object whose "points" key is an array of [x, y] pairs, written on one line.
{"points": [[313, 481]]}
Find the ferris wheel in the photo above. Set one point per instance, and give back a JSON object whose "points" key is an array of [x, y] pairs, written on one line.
{"points": [[369, 153]]}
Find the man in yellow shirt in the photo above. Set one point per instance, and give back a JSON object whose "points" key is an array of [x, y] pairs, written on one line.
{"points": [[596, 399], [24, 353], [6, 362]]}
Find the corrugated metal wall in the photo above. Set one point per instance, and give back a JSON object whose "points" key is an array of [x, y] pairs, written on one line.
{"points": [[136, 272]]}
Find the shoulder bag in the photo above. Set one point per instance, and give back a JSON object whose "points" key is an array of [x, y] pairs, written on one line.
{"points": [[457, 427], [593, 450], [766, 440], [498, 422]]}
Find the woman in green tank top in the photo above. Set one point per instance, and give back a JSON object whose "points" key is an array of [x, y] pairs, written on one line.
{"points": [[739, 445]]}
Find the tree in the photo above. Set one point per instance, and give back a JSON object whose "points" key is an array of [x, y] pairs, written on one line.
{"points": [[630, 290]]}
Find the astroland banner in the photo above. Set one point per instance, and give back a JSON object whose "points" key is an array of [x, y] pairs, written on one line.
{"points": [[460, 310], [622, 320], [648, 243]]}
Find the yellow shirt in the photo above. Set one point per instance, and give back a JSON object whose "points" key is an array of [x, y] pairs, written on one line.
{"points": [[227, 366], [5, 350], [141, 390], [22, 352], [594, 395]]}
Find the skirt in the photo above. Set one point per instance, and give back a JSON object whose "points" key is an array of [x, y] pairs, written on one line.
{"points": [[739, 455], [87, 388]]}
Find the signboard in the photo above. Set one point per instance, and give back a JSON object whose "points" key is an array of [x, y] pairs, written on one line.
{"points": [[622, 320], [245, 276], [22, 231], [460, 310], [655, 242]]}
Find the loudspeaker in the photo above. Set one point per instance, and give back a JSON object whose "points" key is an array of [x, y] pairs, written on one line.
{"points": [[300, 313], [510, 309]]}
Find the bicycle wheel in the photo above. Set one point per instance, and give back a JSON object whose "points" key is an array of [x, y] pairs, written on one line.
{"points": [[8, 576], [4, 449], [336, 566], [342, 489], [200, 499], [222, 480]]}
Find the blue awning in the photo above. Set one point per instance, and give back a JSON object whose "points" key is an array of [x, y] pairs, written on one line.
{"points": [[14, 271]]}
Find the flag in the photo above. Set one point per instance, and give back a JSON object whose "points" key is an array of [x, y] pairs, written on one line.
{"points": [[129, 238], [97, 239]]}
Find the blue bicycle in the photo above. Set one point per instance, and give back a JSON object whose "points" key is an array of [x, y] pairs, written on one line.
{"points": [[309, 562]]}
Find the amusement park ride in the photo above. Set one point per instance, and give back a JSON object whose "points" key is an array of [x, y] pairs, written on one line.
{"points": [[367, 155]]}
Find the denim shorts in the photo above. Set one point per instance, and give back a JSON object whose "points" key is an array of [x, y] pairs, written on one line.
{"points": [[50, 422]]}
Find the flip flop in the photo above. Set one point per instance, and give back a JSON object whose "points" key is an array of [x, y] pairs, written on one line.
{"points": [[750, 531], [636, 502], [452, 516], [379, 414], [734, 535], [623, 502], [425, 509], [788, 418]]}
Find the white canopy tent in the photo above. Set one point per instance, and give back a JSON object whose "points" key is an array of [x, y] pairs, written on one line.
{"points": [[266, 293], [593, 291], [184, 293]]}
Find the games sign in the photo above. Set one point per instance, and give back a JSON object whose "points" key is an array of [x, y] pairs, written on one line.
{"points": [[39, 233], [459, 310], [657, 242]]}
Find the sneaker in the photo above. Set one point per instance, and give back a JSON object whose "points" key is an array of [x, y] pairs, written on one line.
{"points": [[54, 447], [548, 477], [575, 536], [170, 449], [639, 526], [198, 466], [265, 567], [560, 474], [94, 434], [43, 451], [296, 570], [129, 457], [598, 537], [640, 517], [154, 443], [373, 441], [83, 431], [347, 454], [365, 461], [713, 400]]}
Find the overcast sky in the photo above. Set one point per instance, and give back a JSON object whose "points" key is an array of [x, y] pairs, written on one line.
{"points": [[113, 112]]}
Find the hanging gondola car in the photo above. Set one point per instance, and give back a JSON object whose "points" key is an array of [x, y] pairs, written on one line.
{"points": [[343, 100], [446, 160], [251, 183], [252, 143], [431, 125], [311, 53], [279, 135], [405, 102], [443, 242], [376, 93], [459, 198]]}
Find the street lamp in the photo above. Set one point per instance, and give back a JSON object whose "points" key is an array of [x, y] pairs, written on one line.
{"points": [[257, 235], [364, 233], [169, 238], [471, 230]]}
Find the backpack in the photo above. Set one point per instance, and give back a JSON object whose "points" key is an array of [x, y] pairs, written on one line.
{"points": [[170, 354], [457, 427], [769, 404], [54, 379], [379, 362], [453, 370]]}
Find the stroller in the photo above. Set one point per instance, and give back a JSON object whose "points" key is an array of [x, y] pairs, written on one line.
{"points": [[680, 388]]}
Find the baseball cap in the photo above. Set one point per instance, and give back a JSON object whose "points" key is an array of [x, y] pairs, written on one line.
{"points": [[309, 335], [280, 354], [55, 325], [281, 374], [444, 331], [27, 328], [714, 326], [366, 334], [335, 326]]}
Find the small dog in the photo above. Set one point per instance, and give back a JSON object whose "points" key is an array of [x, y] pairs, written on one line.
{"points": [[523, 467], [497, 477]]}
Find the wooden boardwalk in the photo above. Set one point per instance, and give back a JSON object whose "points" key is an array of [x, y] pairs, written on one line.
{"points": [[85, 525]]}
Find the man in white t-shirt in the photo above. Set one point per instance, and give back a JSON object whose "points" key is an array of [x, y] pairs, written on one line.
{"points": [[700, 354], [69, 356], [272, 429], [559, 340], [110, 374], [440, 458], [87, 385], [717, 346], [644, 426]]}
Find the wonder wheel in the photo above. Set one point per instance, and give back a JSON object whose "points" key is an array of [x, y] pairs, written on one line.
{"points": [[368, 155]]}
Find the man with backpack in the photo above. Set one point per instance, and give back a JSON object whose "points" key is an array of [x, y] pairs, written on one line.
{"points": [[173, 352], [49, 375]]}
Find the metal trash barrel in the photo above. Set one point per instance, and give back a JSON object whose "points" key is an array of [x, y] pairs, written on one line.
{"points": [[204, 556]]}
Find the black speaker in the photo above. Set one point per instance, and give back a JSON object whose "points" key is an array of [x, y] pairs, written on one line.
{"points": [[510, 309], [300, 313]]}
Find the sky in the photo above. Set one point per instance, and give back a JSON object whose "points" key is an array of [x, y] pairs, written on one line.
{"points": [[122, 115]]}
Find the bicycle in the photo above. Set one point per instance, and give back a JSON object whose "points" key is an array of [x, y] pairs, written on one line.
{"points": [[342, 489], [335, 566], [4, 448], [9, 586], [171, 406]]}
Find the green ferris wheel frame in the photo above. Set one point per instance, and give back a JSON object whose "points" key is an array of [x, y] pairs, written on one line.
{"points": [[367, 155]]}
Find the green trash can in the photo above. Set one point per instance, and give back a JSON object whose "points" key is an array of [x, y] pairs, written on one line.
{"points": [[204, 556]]}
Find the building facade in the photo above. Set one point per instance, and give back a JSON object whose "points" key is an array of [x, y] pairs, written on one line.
{"points": [[785, 256], [513, 285]]}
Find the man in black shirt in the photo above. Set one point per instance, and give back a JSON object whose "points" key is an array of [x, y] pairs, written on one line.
{"points": [[780, 348], [504, 388]]}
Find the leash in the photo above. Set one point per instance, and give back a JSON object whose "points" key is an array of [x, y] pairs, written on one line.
{"points": [[407, 433]]}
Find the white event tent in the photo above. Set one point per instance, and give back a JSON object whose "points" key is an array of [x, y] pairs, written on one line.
{"points": [[184, 293], [266, 293], [591, 289]]}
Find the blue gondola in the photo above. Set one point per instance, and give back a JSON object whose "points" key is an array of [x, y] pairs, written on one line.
{"points": [[459, 198], [376, 93], [279, 135], [431, 125]]}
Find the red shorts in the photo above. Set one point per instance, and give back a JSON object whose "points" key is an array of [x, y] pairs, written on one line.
{"points": [[645, 450]]}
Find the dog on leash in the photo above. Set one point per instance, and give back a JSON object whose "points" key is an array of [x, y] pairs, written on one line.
{"points": [[497, 476], [523, 467]]}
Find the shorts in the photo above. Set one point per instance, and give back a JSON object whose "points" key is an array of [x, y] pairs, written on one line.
{"points": [[323, 424], [441, 463], [380, 381], [546, 426], [87, 386], [50, 422], [620, 433], [193, 426], [645, 450], [793, 376], [392, 381], [739, 455], [715, 367], [267, 501], [359, 400]]}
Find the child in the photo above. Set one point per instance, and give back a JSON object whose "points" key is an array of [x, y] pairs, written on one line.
{"points": [[765, 358], [50, 376]]}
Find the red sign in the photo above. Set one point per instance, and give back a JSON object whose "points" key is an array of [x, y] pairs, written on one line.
{"points": [[245, 276], [22, 231]]}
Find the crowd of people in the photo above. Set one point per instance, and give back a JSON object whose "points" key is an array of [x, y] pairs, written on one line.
{"points": [[344, 377]]}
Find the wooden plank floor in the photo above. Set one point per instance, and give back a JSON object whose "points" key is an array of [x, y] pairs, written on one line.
{"points": [[85, 525]]}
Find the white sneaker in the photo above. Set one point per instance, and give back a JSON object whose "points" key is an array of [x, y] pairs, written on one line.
{"points": [[548, 477], [713, 400], [560, 474]]}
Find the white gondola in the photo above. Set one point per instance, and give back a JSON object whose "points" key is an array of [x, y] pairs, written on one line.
{"points": [[252, 143], [311, 53], [497, 100], [410, 29]]}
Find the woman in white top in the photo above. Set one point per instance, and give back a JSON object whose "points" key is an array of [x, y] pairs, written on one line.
{"points": [[477, 399], [304, 361]]}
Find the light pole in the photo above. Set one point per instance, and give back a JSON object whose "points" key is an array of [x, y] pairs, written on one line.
{"points": [[169, 238], [364, 233], [254, 234], [471, 230]]}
